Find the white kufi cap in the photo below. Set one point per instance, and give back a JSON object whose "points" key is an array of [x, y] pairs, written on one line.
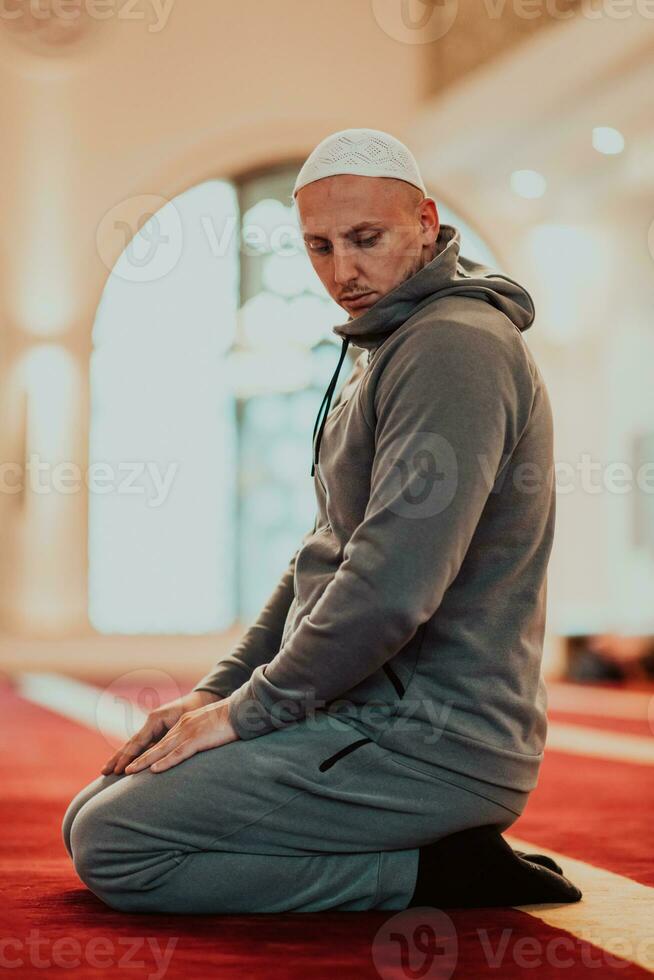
{"points": [[367, 152]]}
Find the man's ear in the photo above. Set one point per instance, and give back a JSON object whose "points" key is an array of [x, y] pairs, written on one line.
{"points": [[426, 219]]}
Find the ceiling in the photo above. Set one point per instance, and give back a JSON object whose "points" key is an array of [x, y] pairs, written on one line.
{"points": [[534, 108]]}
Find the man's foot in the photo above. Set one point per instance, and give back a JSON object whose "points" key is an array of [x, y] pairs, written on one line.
{"points": [[543, 859], [476, 868]]}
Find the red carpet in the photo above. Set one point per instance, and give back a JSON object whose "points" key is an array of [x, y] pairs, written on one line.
{"points": [[627, 726], [597, 811]]}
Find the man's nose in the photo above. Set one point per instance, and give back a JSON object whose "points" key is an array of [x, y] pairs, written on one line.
{"points": [[345, 268]]}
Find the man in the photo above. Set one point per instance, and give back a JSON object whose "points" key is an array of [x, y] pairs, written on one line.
{"points": [[383, 720]]}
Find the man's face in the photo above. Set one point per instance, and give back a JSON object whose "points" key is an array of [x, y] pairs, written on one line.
{"points": [[365, 235]]}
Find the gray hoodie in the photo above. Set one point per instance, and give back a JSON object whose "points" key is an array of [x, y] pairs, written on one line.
{"points": [[415, 608]]}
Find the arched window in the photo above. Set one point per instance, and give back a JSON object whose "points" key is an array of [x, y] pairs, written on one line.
{"points": [[206, 379], [285, 354], [473, 245], [161, 540]]}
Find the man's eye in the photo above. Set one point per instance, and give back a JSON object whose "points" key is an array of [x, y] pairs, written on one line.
{"points": [[363, 242]]}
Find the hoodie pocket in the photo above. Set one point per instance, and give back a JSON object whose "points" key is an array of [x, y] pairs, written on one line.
{"points": [[415, 645], [394, 679], [333, 759]]}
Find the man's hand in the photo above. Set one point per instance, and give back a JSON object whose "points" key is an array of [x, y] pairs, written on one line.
{"points": [[157, 724], [198, 730]]}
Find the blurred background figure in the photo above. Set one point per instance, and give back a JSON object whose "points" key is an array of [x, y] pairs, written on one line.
{"points": [[611, 657]]}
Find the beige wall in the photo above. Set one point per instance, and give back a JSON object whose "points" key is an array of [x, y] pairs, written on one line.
{"points": [[126, 111], [129, 111], [535, 109]]}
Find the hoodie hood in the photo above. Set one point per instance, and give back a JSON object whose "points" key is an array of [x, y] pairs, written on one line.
{"points": [[447, 273]]}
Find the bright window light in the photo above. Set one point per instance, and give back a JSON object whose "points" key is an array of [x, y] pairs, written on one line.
{"points": [[472, 245], [578, 261], [607, 140], [161, 538], [528, 183]]}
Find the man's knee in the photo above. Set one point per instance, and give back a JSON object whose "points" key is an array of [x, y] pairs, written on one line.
{"points": [[78, 801], [117, 864], [90, 835], [67, 824]]}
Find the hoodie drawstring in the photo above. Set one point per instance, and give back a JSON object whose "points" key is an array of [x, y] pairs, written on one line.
{"points": [[327, 398]]}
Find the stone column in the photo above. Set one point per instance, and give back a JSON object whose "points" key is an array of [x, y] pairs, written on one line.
{"points": [[44, 406]]}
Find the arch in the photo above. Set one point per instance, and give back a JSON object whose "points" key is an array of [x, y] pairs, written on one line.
{"points": [[162, 426]]}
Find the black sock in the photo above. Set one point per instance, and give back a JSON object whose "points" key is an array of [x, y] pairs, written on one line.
{"points": [[543, 859], [476, 868]]}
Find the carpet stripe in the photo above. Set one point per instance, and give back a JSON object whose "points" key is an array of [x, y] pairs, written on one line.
{"points": [[628, 726], [81, 702], [615, 913], [590, 699], [578, 740]]}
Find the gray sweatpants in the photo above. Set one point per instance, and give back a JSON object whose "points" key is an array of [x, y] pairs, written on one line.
{"points": [[312, 816]]}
